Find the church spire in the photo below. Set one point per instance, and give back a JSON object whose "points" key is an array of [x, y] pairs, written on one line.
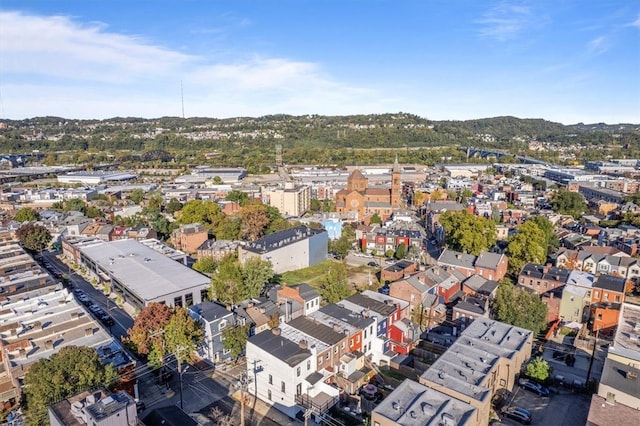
{"points": [[396, 167]]}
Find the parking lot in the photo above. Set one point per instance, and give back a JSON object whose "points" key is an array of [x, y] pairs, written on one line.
{"points": [[559, 409]]}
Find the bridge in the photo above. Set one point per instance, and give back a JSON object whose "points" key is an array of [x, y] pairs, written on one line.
{"points": [[485, 153]]}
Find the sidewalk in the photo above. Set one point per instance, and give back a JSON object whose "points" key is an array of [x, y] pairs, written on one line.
{"points": [[265, 411]]}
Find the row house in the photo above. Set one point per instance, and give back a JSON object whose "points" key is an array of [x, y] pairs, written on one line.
{"points": [[447, 285], [214, 318], [285, 375], [478, 286], [404, 336], [542, 278], [189, 237], [217, 249], [576, 297], [606, 300], [327, 345], [492, 266], [414, 289], [398, 270], [360, 329], [613, 262], [468, 309], [384, 240], [304, 294]]}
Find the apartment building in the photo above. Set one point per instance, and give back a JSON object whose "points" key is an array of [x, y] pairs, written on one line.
{"points": [[292, 200]]}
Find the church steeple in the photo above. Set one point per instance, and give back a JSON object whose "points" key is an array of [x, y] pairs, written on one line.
{"points": [[396, 185]]}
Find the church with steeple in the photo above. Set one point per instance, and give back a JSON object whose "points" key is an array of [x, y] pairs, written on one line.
{"points": [[358, 200]]}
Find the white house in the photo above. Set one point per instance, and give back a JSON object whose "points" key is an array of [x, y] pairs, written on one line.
{"points": [[283, 374]]}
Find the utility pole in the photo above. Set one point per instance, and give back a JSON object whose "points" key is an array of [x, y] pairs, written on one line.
{"points": [[243, 384], [593, 353]]}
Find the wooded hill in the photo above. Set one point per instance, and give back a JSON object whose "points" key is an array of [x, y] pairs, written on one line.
{"points": [[330, 138]]}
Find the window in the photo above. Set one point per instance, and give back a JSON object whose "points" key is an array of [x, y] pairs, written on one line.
{"points": [[327, 357], [319, 360], [269, 394], [617, 298], [308, 364], [204, 295], [358, 338], [344, 344], [270, 379], [188, 299], [222, 325], [335, 349], [596, 294], [606, 296], [282, 387], [177, 301], [599, 317], [298, 371], [351, 342], [365, 334]]}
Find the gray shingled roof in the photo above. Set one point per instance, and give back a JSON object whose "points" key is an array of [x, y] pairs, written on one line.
{"points": [[283, 349], [456, 258]]}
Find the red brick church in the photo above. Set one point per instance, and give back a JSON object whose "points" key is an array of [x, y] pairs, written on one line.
{"points": [[358, 201]]}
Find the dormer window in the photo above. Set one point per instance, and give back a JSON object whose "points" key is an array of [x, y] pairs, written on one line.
{"points": [[222, 325]]}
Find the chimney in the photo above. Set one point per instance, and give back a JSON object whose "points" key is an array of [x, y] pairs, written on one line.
{"points": [[303, 344], [276, 331]]}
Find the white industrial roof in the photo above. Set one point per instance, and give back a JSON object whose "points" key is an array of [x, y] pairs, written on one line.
{"points": [[145, 272]]}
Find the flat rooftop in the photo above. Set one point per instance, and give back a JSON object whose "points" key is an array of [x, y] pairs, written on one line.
{"points": [[142, 270], [413, 404], [35, 325], [626, 342]]}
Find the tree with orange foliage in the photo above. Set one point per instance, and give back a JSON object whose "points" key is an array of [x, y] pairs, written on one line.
{"points": [[146, 335]]}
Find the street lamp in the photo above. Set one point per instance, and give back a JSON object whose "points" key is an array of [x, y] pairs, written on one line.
{"points": [[180, 373]]}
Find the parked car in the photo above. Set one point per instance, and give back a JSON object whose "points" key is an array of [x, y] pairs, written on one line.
{"points": [[518, 414], [390, 261], [384, 290], [373, 264], [534, 387], [140, 406], [106, 319]]}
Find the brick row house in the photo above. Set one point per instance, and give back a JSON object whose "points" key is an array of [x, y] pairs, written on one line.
{"points": [[491, 266]]}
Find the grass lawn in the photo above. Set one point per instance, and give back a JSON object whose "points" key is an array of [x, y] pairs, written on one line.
{"points": [[311, 275]]}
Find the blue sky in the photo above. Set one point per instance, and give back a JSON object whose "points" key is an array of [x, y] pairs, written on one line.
{"points": [[562, 60]]}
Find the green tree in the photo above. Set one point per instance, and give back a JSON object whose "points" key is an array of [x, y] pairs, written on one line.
{"points": [[34, 237], [548, 230], [528, 245], [375, 218], [234, 339], [182, 335], [137, 195], [206, 265], [75, 205], [226, 283], [401, 251], [239, 197], [217, 180], [341, 246], [147, 334], [69, 371], [468, 233], [173, 206], [568, 202], [518, 307], [26, 214], [539, 369], [334, 287], [256, 272], [207, 213], [93, 212]]}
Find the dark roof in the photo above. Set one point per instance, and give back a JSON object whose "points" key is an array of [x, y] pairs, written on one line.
{"points": [[280, 347], [488, 287], [550, 273], [345, 315], [322, 332], [169, 416], [314, 377], [404, 264], [457, 259], [609, 282], [472, 305], [375, 305], [279, 239], [210, 311], [621, 377], [307, 292]]}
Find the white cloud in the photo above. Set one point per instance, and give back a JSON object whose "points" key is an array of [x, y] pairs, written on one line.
{"points": [[56, 66], [598, 45], [505, 21], [636, 23]]}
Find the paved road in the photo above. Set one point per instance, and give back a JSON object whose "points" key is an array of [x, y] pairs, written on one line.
{"points": [[122, 320], [560, 409]]}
